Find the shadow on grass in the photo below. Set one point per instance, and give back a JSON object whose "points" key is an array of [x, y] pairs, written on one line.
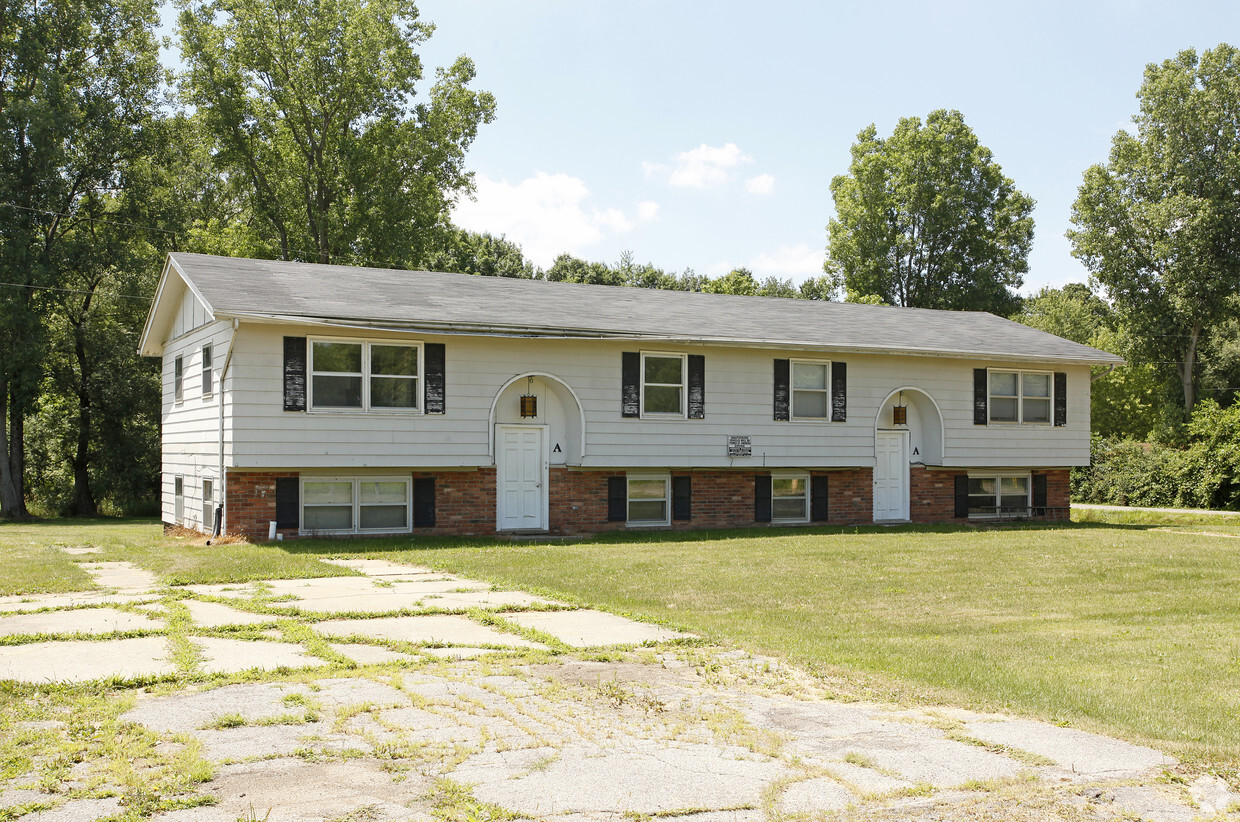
{"points": [[368, 545]]}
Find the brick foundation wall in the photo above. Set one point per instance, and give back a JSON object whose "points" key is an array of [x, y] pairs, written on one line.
{"points": [[850, 496], [250, 503], [465, 500], [932, 494]]}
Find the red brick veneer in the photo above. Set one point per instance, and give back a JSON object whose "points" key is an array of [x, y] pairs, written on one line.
{"points": [[465, 500], [932, 493]]}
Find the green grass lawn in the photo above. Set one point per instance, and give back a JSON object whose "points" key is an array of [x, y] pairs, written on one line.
{"points": [[1122, 628]]}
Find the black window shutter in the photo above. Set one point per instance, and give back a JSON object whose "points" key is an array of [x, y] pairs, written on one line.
{"points": [[762, 498], [839, 392], [630, 385], [433, 358], [782, 395], [1061, 398], [1039, 493], [682, 497], [697, 387], [981, 389], [424, 502], [617, 499], [818, 498], [294, 373], [288, 501], [962, 496]]}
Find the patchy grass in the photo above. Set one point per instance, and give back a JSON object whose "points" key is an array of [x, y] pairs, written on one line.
{"points": [[1126, 628], [31, 560]]}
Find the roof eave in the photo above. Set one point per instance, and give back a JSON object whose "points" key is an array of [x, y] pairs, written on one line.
{"points": [[558, 332]]}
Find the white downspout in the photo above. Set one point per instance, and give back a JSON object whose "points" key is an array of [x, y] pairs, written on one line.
{"points": [[222, 476]]}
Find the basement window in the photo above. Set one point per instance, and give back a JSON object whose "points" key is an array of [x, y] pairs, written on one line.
{"points": [[998, 495], [355, 505], [648, 499]]}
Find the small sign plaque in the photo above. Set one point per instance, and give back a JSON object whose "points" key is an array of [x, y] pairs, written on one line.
{"points": [[739, 446]]}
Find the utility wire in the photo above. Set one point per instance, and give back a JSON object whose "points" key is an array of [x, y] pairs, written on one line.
{"points": [[77, 291]]}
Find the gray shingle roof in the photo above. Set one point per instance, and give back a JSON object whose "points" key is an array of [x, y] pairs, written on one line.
{"points": [[434, 301]]}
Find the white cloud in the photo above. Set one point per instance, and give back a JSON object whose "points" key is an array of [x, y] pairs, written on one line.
{"points": [[762, 184], [788, 262], [702, 167], [547, 214], [795, 261]]}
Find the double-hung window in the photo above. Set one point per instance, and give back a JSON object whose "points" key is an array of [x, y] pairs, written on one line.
{"points": [[997, 496], [663, 384], [1020, 396], [178, 499], [811, 390], [355, 505], [790, 498], [178, 379], [208, 505], [208, 382], [648, 499], [364, 376]]}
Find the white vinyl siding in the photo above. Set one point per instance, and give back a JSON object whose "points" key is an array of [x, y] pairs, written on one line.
{"points": [[811, 390], [663, 384], [738, 394], [649, 499], [790, 497], [191, 429], [355, 505], [363, 376], [1020, 396]]}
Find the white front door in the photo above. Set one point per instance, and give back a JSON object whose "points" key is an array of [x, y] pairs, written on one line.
{"points": [[891, 475], [521, 478]]}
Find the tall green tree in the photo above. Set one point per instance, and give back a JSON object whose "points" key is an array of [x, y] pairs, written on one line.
{"points": [[1158, 225], [468, 252], [79, 81], [313, 113], [926, 218]]}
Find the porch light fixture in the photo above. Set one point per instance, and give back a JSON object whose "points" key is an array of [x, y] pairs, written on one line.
{"points": [[529, 402], [899, 413]]}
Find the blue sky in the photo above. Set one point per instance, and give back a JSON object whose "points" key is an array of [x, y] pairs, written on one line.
{"points": [[705, 134]]}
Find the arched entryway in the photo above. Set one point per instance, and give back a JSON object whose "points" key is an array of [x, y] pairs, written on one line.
{"points": [[523, 448], [908, 430]]}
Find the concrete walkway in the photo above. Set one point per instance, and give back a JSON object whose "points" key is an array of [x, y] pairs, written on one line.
{"points": [[403, 693]]}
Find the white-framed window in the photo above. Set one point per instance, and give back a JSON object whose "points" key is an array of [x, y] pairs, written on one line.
{"points": [[1020, 396], [649, 499], [178, 498], [999, 495], [356, 505], [208, 377], [663, 384], [208, 505], [811, 389], [789, 497], [178, 379], [364, 376]]}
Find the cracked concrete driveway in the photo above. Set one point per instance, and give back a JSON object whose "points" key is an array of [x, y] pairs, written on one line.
{"points": [[403, 693]]}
